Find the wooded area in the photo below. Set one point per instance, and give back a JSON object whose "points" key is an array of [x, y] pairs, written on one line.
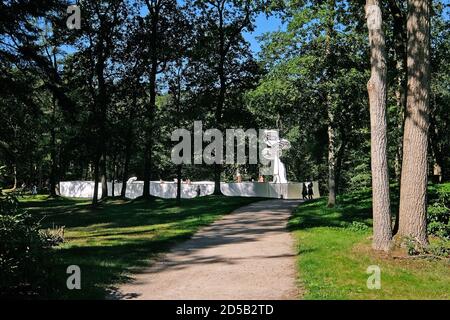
{"points": [[99, 103]]}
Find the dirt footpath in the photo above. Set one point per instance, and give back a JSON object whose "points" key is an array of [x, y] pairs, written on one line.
{"points": [[248, 254]]}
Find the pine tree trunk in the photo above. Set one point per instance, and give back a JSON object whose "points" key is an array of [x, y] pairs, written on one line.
{"points": [[399, 31], [103, 178], [179, 184], [376, 87], [339, 160], [221, 98], [149, 137], [113, 178], [128, 145], [332, 139], [125, 169], [96, 179], [414, 179], [15, 177], [148, 160], [100, 105], [331, 165], [53, 170]]}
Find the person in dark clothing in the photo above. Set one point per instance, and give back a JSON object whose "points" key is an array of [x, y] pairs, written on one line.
{"points": [[304, 191], [310, 190]]}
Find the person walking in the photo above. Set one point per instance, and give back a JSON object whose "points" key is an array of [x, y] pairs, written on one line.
{"points": [[310, 190], [304, 191]]}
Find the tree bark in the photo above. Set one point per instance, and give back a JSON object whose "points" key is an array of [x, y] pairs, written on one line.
{"points": [[331, 162], [128, 145], [96, 179], [376, 87], [332, 143], [222, 92], [154, 12], [399, 31], [113, 178], [53, 171], [179, 184], [125, 172], [54, 165], [100, 113], [149, 143], [339, 160], [103, 177], [15, 177], [126, 164], [414, 178]]}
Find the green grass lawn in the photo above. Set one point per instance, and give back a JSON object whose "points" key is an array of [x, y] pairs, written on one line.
{"points": [[334, 253], [119, 237]]}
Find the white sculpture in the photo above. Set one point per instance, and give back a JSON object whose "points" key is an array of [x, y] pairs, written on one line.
{"points": [[274, 153], [131, 180]]}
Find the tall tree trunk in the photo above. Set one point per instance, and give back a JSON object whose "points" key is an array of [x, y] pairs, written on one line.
{"points": [[53, 172], [96, 179], [128, 144], [15, 176], [399, 31], [177, 95], [332, 138], [100, 105], [113, 178], [125, 167], [125, 172], [154, 11], [339, 160], [103, 177], [179, 184], [331, 162], [414, 179], [149, 143], [376, 87], [222, 92]]}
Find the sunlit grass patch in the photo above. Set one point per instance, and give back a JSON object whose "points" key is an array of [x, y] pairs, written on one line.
{"points": [[334, 253]]}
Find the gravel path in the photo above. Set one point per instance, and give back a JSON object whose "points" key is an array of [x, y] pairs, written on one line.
{"points": [[248, 254]]}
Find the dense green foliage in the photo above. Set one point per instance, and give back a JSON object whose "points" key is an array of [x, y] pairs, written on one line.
{"points": [[25, 255], [439, 212], [74, 101]]}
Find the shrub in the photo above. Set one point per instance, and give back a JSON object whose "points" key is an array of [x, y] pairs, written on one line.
{"points": [[358, 226], [439, 215], [361, 178], [440, 247], [24, 251]]}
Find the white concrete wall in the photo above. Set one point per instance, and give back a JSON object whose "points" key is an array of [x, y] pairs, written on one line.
{"points": [[85, 189], [266, 190]]}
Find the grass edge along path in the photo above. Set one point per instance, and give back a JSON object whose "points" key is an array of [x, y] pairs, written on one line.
{"points": [[334, 252], [111, 242]]}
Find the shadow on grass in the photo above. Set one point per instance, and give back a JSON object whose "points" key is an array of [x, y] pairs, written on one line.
{"points": [[118, 236], [104, 266], [352, 207], [313, 214]]}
